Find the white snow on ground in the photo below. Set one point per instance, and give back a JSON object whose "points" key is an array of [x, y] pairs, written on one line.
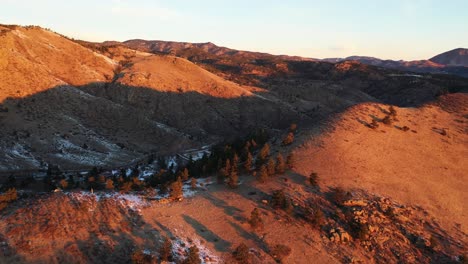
{"points": [[18, 151], [181, 246], [172, 161], [129, 201]]}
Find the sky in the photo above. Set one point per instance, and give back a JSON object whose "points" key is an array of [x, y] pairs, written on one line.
{"points": [[396, 29]]}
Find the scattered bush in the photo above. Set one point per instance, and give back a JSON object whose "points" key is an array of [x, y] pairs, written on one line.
{"points": [[138, 257], [241, 254], [193, 256], [387, 120], [313, 179], [280, 252]]}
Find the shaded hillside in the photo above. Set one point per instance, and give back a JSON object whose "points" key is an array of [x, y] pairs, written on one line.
{"points": [[456, 57], [451, 62], [81, 104]]}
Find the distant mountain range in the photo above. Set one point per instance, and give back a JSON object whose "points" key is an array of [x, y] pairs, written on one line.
{"points": [[451, 62]]}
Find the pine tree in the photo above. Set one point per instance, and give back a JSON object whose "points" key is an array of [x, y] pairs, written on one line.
{"points": [[222, 175], [184, 174], [248, 162], [264, 152], [255, 220], [290, 160], [288, 139], [313, 179], [263, 174], [109, 184], [176, 193], [271, 167], [193, 183], [392, 111], [235, 162], [233, 180], [193, 256], [165, 251], [280, 164], [227, 166], [292, 127], [63, 184]]}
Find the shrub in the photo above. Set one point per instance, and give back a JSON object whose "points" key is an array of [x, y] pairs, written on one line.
{"points": [[241, 253], [374, 124], [279, 252], [339, 196], [313, 179], [317, 218], [387, 120]]}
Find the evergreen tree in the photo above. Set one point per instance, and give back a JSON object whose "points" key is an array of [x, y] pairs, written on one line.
{"points": [[222, 175], [165, 251], [63, 184], [280, 164], [255, 220], [227, 166], [176, 193], [313, 179], [263, 174], [288, 139], [392, 111], [248, 162], [193, 183], [264, 152], [235, 162], [109, 184], [193, 256], [184, 174], [271, 167], [290, 160], [233, 180]]}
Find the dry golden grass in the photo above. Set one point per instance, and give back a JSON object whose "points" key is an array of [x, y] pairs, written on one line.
{"points": [[424, 166]]}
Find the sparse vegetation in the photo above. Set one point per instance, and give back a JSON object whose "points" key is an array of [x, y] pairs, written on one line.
{"points": [[241, 254], [313, 179], [193, 256], [280, 252]]}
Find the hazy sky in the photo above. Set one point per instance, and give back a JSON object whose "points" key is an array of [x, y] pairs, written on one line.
{"points": [[390, 29]]}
